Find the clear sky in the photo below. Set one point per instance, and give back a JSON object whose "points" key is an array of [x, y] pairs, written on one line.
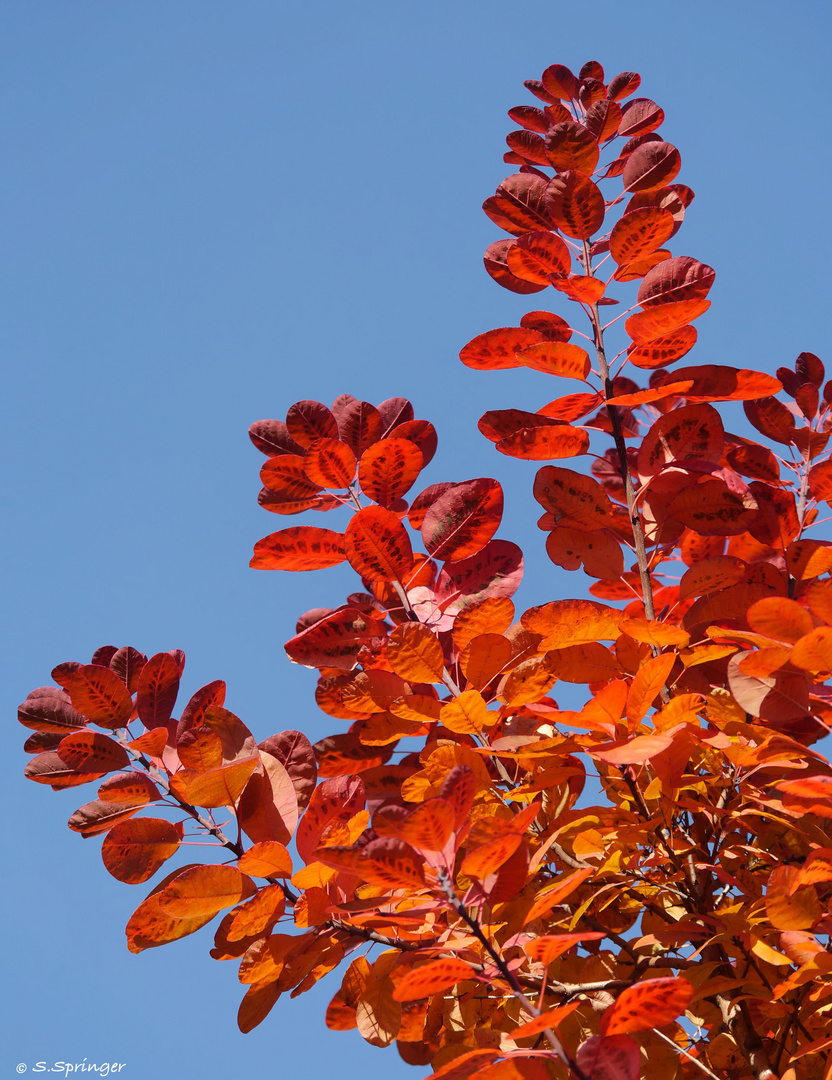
{"points": [[212, 209]]}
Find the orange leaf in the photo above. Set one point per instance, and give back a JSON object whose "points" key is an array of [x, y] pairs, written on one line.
{"points": [[711, 575], [654, 633], [414, 653], [779, 618], [150, 926], [574, 500], [303, 547], [584, 288], [256, 915], [204, 890], [788, 905], [258, 1002], [814, 651], [266, 859], [549, 1019], [549, 947], [664, 349], [268, 808], [647, 684], [131, 788], [633, 751], [430, 825], [483, 658], [134, 850], [494, 615], [538, 256], [218, 787], [466, 714], [572, 622], [648, 1004], [377, 545], [428, 979], [655, 393], [555, 894]]}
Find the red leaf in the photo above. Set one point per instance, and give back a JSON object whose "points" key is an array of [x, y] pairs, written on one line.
{"points": [[333, 800], [330, 463], [653, 165], [575, 204], [615, 1057], [496, 349], [676, 279], [622, 85], [307, 421], [50, 714], [537, 256], [639, 233], [92, 752], [640, 116], [664, 349], [98, 693], [560, 82], [545, 443], [157, 690], [557, 358], [714, 382], [272, 438], [294, 752], [388, 469], [303, 547], [663, 319], [377, 545], [570, 145], [430, 978], [496, 263], [334, 640], [647, 1004], [462, 520], [360, 425]]}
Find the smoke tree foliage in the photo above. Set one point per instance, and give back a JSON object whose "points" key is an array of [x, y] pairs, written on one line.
{"points": [[436, 849]]}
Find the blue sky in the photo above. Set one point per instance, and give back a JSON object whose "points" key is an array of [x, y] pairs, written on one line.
{"points": [[212, 210]]}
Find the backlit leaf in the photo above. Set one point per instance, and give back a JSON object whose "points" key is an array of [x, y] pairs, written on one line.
{"points": [[98, 693], [268, 809], [377, 545], [466, 714], [647, 1004], [713, 382], [612, 1057], [388, 469], [134, 850], [572, 622], [575, 204], [496, 349], [574, 500], [545, 443], [537, 256], [91, 751], [639, 233], [557, 358], [330, 463], [217, 787], [462, 520], [653, 165], [204, 890], [664, 319], [415, 653], [307, 421], [431, 978], [664, 349], [303, 547], [157, 690], [266, 859], [569, 145], [294, 752]]}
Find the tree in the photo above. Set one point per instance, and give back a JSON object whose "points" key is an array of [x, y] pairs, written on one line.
{"points": [[528, 891]]}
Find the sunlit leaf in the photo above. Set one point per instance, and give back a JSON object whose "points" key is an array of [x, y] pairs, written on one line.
{"points": [[303, 547], [134, 850]]}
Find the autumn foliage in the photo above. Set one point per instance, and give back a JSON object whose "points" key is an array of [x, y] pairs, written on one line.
{"points": [[638, 887]]}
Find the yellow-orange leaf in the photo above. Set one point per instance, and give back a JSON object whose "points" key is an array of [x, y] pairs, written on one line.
{"points": [[779, 618], [549, 1019], [789, 907], [484, 657], [217, 787], [415, 653], [494, 615], [266, 859], [572, 622], [466, 714], [556, 893], [204, 890], [430, 825], [259, 913]]}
